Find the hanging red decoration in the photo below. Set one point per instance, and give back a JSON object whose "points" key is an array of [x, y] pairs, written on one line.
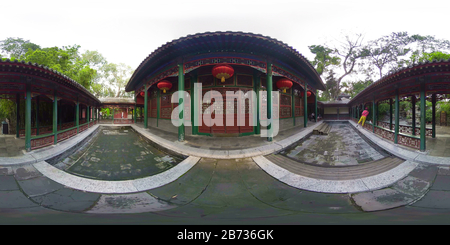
{"points": [[142, 93], [222, 72], [307, 94], [164, 85], [284, 84]]}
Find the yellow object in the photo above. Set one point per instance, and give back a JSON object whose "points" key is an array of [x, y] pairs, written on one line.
{"points": [[223, 76], [363, 119]]}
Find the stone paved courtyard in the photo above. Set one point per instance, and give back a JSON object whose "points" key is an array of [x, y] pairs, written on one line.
{"points": [[342, 146]]}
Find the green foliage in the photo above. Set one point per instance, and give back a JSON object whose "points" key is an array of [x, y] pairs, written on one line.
{"points": [[17, 47], [65, 60], [7, 108], [356, 87], [323, 58], [383, 110], [437, 55]]}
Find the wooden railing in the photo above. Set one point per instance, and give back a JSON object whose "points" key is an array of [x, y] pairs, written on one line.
{"points": [[65, 132], [402, 138]]}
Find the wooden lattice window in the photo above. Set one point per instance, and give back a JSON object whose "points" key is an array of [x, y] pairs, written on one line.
{"points": [[285, 106]]}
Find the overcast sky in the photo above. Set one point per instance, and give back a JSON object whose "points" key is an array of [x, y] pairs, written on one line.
{"points": [[127, 31]]}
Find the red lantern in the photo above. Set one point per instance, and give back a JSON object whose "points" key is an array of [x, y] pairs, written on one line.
{"points": [[142, 93], [307, 94], [164, 85], [222, 72], [284, 84]]}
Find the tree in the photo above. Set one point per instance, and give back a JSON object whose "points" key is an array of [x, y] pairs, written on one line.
{"points": [[323, 58], [331, 92], [117, 76], [351, 51], [386, 50], [432, 56], [17, 47], [355, 88], [65, 60]]}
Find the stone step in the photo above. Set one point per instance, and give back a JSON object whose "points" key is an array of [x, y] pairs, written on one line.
{"points": [[336, 172]]}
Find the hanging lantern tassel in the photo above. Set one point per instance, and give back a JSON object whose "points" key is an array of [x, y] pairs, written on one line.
{"points": [[284, 84], [222, 72]]}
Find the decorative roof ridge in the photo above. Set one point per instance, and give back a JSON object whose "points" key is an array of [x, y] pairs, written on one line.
{"points": [[397, 72], [79, 86], [209, 33]]}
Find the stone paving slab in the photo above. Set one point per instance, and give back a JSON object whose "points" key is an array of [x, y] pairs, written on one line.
{"points": [[131, 203], [39, 186], [434, 199], [15, 200], [403, 192], [68, 200], [8, 183]]}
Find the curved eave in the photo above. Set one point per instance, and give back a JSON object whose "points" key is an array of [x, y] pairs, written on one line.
{"points": [[117, 101], [225, 42], [421, 69], [33, 69]]}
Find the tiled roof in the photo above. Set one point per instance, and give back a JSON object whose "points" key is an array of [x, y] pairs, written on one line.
{"points": [[117, 100], [225, 42], [422, 68], [36, 69]]}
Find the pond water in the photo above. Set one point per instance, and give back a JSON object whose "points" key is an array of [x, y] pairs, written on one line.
{"points": [[118, 153], [341, 147]]}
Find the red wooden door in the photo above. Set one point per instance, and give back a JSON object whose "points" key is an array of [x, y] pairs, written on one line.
{"points": [[217, 113], [245, 110], [205, 104]]}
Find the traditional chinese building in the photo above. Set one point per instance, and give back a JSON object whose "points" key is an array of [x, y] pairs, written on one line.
{"points": [[428, 81], [121, 109], [225, 61], [50, 106]]}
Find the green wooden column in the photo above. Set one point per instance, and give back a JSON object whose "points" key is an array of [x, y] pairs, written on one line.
{"points": [[17, 115], [433, 116], [422, 118], [88, 118], [28, 119], [181, 102], [158, 106], [55, 118], [37, 115], [376, 113], [269, 101], [397, 115], [413, 102], [77, 116], [315, 106], [145, 106], [113, 112], [305, 118], [293, 106], [257, 88], [390, 113], [373, 115], [193, 102], [357, 112], [135, 107]]}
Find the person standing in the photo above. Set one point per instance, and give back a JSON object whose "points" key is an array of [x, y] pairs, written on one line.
{"points": [[364, 115]]}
